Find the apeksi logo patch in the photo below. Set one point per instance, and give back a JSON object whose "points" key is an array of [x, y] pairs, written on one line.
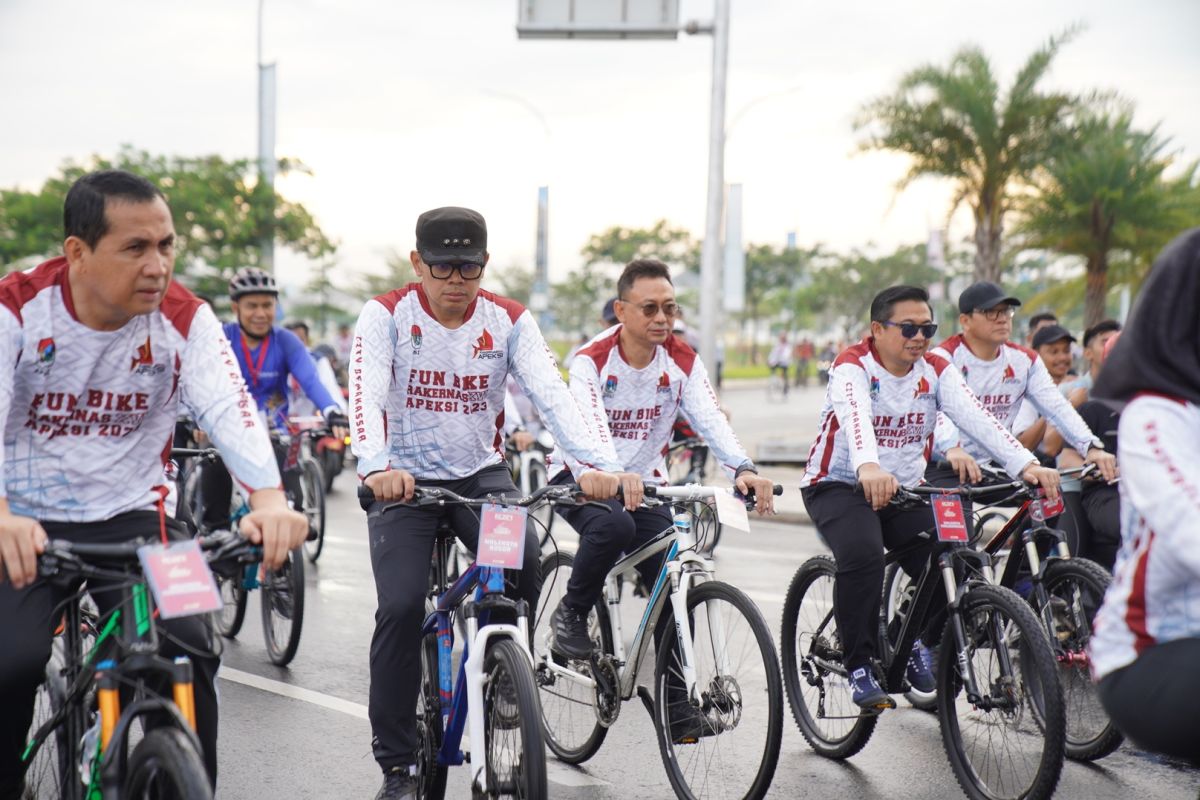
{"points": [[485, 347], [143, 362], [664, 384], [46, 351]]}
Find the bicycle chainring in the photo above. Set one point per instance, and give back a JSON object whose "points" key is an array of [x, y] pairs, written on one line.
{"points": [[606, 699]]}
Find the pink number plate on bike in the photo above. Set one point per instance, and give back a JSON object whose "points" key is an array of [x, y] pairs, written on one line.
{"points": [[951, 522], [501, 537], [179, 578]]}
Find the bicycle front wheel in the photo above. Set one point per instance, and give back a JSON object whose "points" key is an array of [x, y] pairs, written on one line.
{"points": [[49, 770], [312, 504], [233, 603], [1075, 588], [725, 744], [432, 780], [166, 766], [1008, 741], [516, 754], [283, 609]]}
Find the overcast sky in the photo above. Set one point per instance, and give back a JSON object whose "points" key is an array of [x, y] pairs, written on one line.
{"points": [[398, 107]]}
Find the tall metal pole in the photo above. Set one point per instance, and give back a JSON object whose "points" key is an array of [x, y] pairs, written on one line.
{"points": [[266, 149], [539, 299], [710, 254]]}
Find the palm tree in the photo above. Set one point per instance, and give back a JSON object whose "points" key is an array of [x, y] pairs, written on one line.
{"points": [[954, 122], [1105, 193]]}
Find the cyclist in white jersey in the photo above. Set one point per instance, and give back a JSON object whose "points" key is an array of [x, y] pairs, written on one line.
{"points": [[877, 426], [427, 385], [1146, 646], [631, 381], [101, 349]]}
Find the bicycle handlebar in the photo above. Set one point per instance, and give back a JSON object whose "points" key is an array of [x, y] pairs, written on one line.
{"points": [[565, 494], [83, 557]]}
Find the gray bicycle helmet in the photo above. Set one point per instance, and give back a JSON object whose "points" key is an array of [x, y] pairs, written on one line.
{"points": [[251, 280]]}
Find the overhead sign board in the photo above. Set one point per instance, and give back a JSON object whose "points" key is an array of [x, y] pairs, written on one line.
{"points": [[597, 19]]}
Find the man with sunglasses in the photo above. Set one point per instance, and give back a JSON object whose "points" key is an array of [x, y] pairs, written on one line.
{"points": [[427, 385], [1002, 373], [884, 396], [631, 381]]}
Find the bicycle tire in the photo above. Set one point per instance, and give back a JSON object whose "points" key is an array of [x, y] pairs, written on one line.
{"points": [[47, 773], [896, 585], [228, 621], [727, 705], [283, 610], [853, 728], [431, 780], [166, 760], [312, 489], [510, 703], [989, 612], [1091, 734], [572, 730]]}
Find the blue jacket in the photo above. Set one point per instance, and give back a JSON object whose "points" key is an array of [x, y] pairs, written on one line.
{"points": [[266, 374]]}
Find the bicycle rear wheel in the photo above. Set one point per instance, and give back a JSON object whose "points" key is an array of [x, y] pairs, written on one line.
{"points": [[312, 505], [49, 770], [818, 688], [1009, 742], [283, 609], [165, 765], [726, 744], [572, 729], [233, 597], [516, 753], [898, 592], [1076, 588]]}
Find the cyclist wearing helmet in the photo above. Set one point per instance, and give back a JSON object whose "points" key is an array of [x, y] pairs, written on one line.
{"points": [[267, 355]]}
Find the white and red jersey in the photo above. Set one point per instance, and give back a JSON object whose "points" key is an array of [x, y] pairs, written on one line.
{"points": [[430, 400], [637, 407], [89, 415], [1155, 593], [1000, 384], [873, 416]]}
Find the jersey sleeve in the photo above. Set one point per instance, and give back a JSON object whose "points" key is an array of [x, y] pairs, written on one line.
{"points": [[329, 381], [945, 435], [300, 364], [12, 338], [958, 402], [222, 407], [533, 365], [370, 379], [699, 403], [512, 415], [850, 395], [1160, 473], [1056, 408]]}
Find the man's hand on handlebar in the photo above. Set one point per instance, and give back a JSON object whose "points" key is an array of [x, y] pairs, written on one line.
{"points": [[273, 525], [1045, 477], [338, 423], [632, 489], [391, 485], [963, 464], [21, 541], [522, 440], [1105, 461], [763, 489], [599, 485], [878, 485]]}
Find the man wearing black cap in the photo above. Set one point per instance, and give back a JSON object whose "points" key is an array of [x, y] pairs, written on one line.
{"points": [[427, 387], [1002, 373]]}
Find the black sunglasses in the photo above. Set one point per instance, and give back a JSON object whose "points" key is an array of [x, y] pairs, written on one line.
{"points": [[468, 272], [909, 329]]}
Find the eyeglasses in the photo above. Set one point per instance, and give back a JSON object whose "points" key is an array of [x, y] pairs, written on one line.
{"points": [[650, 310], [998, 313], [468, 272], [909, 329]]}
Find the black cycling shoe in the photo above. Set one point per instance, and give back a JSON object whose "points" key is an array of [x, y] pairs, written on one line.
{"points": [[398, 784], [688, 724], [570, 629], [312, 534]]}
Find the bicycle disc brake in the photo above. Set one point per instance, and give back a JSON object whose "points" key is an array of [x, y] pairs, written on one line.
{"points": [[606, 699]]}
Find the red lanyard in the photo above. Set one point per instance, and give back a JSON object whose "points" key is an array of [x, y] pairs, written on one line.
{"points": [[251, 367]]}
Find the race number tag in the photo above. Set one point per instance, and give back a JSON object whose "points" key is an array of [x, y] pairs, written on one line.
{"points": [[951, 523], [179, 578], [731, 511], [1048, 509], [501, 537]]}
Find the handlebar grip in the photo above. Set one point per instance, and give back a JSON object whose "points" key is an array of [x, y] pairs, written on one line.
{"points": [[778, 490], [365, 496]]}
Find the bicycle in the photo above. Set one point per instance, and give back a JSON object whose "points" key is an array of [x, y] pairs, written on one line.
{"points": [[282, 589], [528, 468], [996, 681], [302, 437], [777, 385], [1065, 591], [86, 736], [493, 694], [688, 461], [705, 710]]}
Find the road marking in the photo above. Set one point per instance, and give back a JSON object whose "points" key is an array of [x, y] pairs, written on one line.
{"points": [[294, 692], [559, 773]]}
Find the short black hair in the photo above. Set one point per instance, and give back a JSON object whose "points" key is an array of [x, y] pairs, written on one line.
{"points": [[641, 268], [1103, 326], [291, 325], [1040, 317], [83, 211], [885, 301]]}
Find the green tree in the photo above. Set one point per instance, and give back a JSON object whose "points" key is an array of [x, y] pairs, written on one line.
{"points": [[618, 246], [773, 275], [219, 210], [398, 271], [1106, 193], [513, 281], [954, 122]]}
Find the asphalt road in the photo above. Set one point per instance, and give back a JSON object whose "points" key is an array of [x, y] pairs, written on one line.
{"points": [[302, 732]]}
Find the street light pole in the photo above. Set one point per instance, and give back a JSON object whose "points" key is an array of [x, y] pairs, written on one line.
{"points": [[266, 150], [710, 254]]}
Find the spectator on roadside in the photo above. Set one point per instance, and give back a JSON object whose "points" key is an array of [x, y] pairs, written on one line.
{"points": [[779, 358], [1037, 322], [1095, 339]]}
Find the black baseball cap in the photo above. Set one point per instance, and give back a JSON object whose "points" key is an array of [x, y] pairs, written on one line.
{"points": [[452, 235], [1103, 326], [1051, 333], [609, 314], [983, 295]]}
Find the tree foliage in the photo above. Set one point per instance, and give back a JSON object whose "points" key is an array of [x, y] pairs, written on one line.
{"points": [[955, 122], [221, 213]]}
